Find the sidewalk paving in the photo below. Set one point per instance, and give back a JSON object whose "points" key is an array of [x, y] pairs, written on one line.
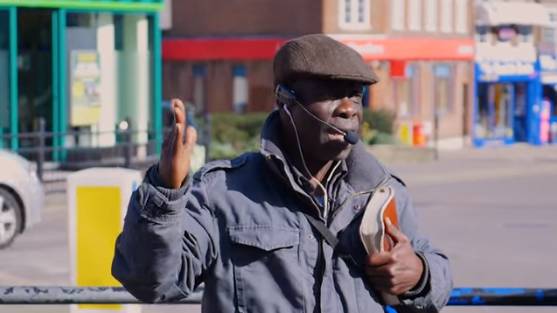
{"points": [[493, 211]]}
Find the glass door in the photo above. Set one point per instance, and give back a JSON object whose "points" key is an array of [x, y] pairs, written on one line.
{"points": [[495, 107], [34, 72], [520, 112], [4, 77], [503, 104]]}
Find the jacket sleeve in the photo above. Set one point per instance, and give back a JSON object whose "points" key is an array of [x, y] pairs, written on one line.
{"points": [[434, 290], [167, 243]]}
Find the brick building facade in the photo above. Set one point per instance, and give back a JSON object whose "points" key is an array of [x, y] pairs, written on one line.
{"points": [[218, 55]]}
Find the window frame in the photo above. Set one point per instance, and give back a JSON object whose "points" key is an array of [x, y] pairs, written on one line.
{"points": [[449, 78], [447, 20], [240, 80], [431, 15], [398, 21], [415, 9], [461, 15], [353, 22]]}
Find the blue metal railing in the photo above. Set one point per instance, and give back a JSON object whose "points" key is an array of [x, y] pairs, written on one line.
{"points": [[112, 295]]}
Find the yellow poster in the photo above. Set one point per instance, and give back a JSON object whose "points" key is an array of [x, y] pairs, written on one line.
{"points": [[85, 95]]}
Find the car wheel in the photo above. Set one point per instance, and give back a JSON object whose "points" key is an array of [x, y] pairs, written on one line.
{"points": [[10, 218]]}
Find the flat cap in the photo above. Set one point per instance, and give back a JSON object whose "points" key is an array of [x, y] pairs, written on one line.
{"points": [[320, 56]]}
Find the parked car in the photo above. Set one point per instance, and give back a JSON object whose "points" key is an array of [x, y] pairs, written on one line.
{"points": [[21, 197]]}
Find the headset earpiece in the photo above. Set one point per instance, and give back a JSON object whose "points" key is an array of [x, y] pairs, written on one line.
{"points": [[285, 96]]}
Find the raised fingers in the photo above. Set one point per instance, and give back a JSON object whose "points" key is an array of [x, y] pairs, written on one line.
{"points": [[179, 110]]}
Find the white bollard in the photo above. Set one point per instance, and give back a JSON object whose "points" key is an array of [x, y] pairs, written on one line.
{"points": [[97, 204]]}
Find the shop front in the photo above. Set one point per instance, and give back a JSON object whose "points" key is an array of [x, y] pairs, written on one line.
{"points": [[548, 122], [83, 67], [425, 82], [507, 104], [420, 77]]}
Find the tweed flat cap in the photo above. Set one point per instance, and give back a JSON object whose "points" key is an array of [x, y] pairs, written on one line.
{"points": [[320, 56]]}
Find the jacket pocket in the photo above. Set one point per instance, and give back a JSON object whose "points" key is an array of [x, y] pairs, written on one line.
{"points": [[267, 271]]}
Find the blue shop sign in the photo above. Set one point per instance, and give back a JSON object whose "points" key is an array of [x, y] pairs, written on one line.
{"points": [[492, 71]]}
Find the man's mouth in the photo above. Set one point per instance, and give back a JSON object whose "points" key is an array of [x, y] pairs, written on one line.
{"points": [[335, 136]]}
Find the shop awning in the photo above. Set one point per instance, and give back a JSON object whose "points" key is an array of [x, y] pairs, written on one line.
{"points": [[117, 5], [207, 49], [504, 13]]}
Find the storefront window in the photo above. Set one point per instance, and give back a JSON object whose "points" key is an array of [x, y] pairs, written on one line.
{"points": [[525, 33], [482, 33], [547, 36], [109, 71], [503, 98], [495, 104], [4, 79], [520, 102], [199, 87], [407, 93], [520, 111], [402, 96], [239, 89]]}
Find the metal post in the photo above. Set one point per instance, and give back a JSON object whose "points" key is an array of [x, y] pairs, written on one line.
{"points": [[156, 81], [436, 132], [128, 148], [109, 295], [207, 133], [76, 295], [14, 108], [41, 148]]}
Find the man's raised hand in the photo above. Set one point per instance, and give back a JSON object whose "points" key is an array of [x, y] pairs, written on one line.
{"points": [[177, 148]]}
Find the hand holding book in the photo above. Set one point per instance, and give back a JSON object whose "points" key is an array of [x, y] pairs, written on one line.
{"points": [[393, 267], [396, 271]]}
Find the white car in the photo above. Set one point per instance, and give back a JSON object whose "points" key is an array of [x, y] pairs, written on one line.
{"points": [[21, 196]]}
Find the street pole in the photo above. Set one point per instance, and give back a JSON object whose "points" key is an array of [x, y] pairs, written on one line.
{"points": [[436, 131]]}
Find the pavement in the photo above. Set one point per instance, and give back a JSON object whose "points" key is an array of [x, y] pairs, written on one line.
{"points": [[493, 211]]}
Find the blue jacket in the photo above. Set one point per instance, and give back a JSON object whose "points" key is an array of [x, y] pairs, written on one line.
{"points": [[240, 227]]}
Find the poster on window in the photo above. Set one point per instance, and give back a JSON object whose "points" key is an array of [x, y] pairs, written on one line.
{"points": [[85, 78]]}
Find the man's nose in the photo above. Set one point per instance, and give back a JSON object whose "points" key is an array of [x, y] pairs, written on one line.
{"points": [[347, 108]]}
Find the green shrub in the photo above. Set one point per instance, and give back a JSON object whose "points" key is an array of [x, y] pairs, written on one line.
{"points": [[377, 127], [381, 120], [233, 134]]}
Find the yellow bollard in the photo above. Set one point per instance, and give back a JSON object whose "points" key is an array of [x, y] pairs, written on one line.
{"points": [[97, 203], [405, 133]]}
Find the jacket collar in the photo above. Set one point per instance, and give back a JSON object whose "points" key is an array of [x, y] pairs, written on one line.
{"points": [[363, 170]]}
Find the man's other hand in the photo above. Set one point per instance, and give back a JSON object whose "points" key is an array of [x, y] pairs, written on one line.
{"points": [[396, 271], [177, 148]]}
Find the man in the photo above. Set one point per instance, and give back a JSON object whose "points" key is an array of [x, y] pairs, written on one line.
{"points": [[254, 229]]}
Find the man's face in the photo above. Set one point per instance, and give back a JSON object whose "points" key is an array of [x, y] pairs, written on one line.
{"points": [[337, 102]]}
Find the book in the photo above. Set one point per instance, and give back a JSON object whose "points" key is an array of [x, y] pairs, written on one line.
{"points": [[381, 205]]}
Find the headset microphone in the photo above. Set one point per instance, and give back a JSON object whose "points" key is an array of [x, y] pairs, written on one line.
{"points": [[351, 137], [287, 97]]}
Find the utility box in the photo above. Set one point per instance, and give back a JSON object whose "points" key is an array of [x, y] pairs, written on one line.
{"points": [[97, 203]]}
